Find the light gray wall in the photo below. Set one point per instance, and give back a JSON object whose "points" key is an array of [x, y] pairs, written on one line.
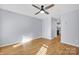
{"points": [[46, 28], [70, 28], [13, 26], [53, 27], [49, 28], [0, 28]]}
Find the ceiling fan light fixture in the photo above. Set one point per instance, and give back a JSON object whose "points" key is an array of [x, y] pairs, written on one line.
{"points": [[42, 12]]}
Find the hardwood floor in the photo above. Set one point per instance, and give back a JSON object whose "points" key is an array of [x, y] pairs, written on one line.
{"points": [[40, 46]]}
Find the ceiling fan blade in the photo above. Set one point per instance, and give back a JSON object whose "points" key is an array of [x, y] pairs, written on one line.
{"points": [[46, 12], [37, 13], [35, 6], [49, 6]]}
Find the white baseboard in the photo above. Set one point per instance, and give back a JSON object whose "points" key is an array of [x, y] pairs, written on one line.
{"points": [[9, 44], [69, 44], [17, 42]]}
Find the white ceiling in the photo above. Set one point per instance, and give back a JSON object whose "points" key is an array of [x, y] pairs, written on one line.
{"points": [[27, 9]]}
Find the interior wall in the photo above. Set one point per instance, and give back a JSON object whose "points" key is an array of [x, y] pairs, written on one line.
{"points": [[70, 28], [49, 28], [53, 27], [0, 27], [14, 26], [46, 28]]}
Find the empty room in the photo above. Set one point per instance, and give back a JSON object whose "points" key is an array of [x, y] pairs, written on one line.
{"points": [[39, 29]]}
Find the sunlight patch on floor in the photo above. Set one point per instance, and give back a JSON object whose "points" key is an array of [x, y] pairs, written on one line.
{"points": [[17, 45], [42, 50], [25, 39]]}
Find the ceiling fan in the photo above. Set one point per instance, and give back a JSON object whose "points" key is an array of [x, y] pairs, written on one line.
{"points": [[42, 9]]}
